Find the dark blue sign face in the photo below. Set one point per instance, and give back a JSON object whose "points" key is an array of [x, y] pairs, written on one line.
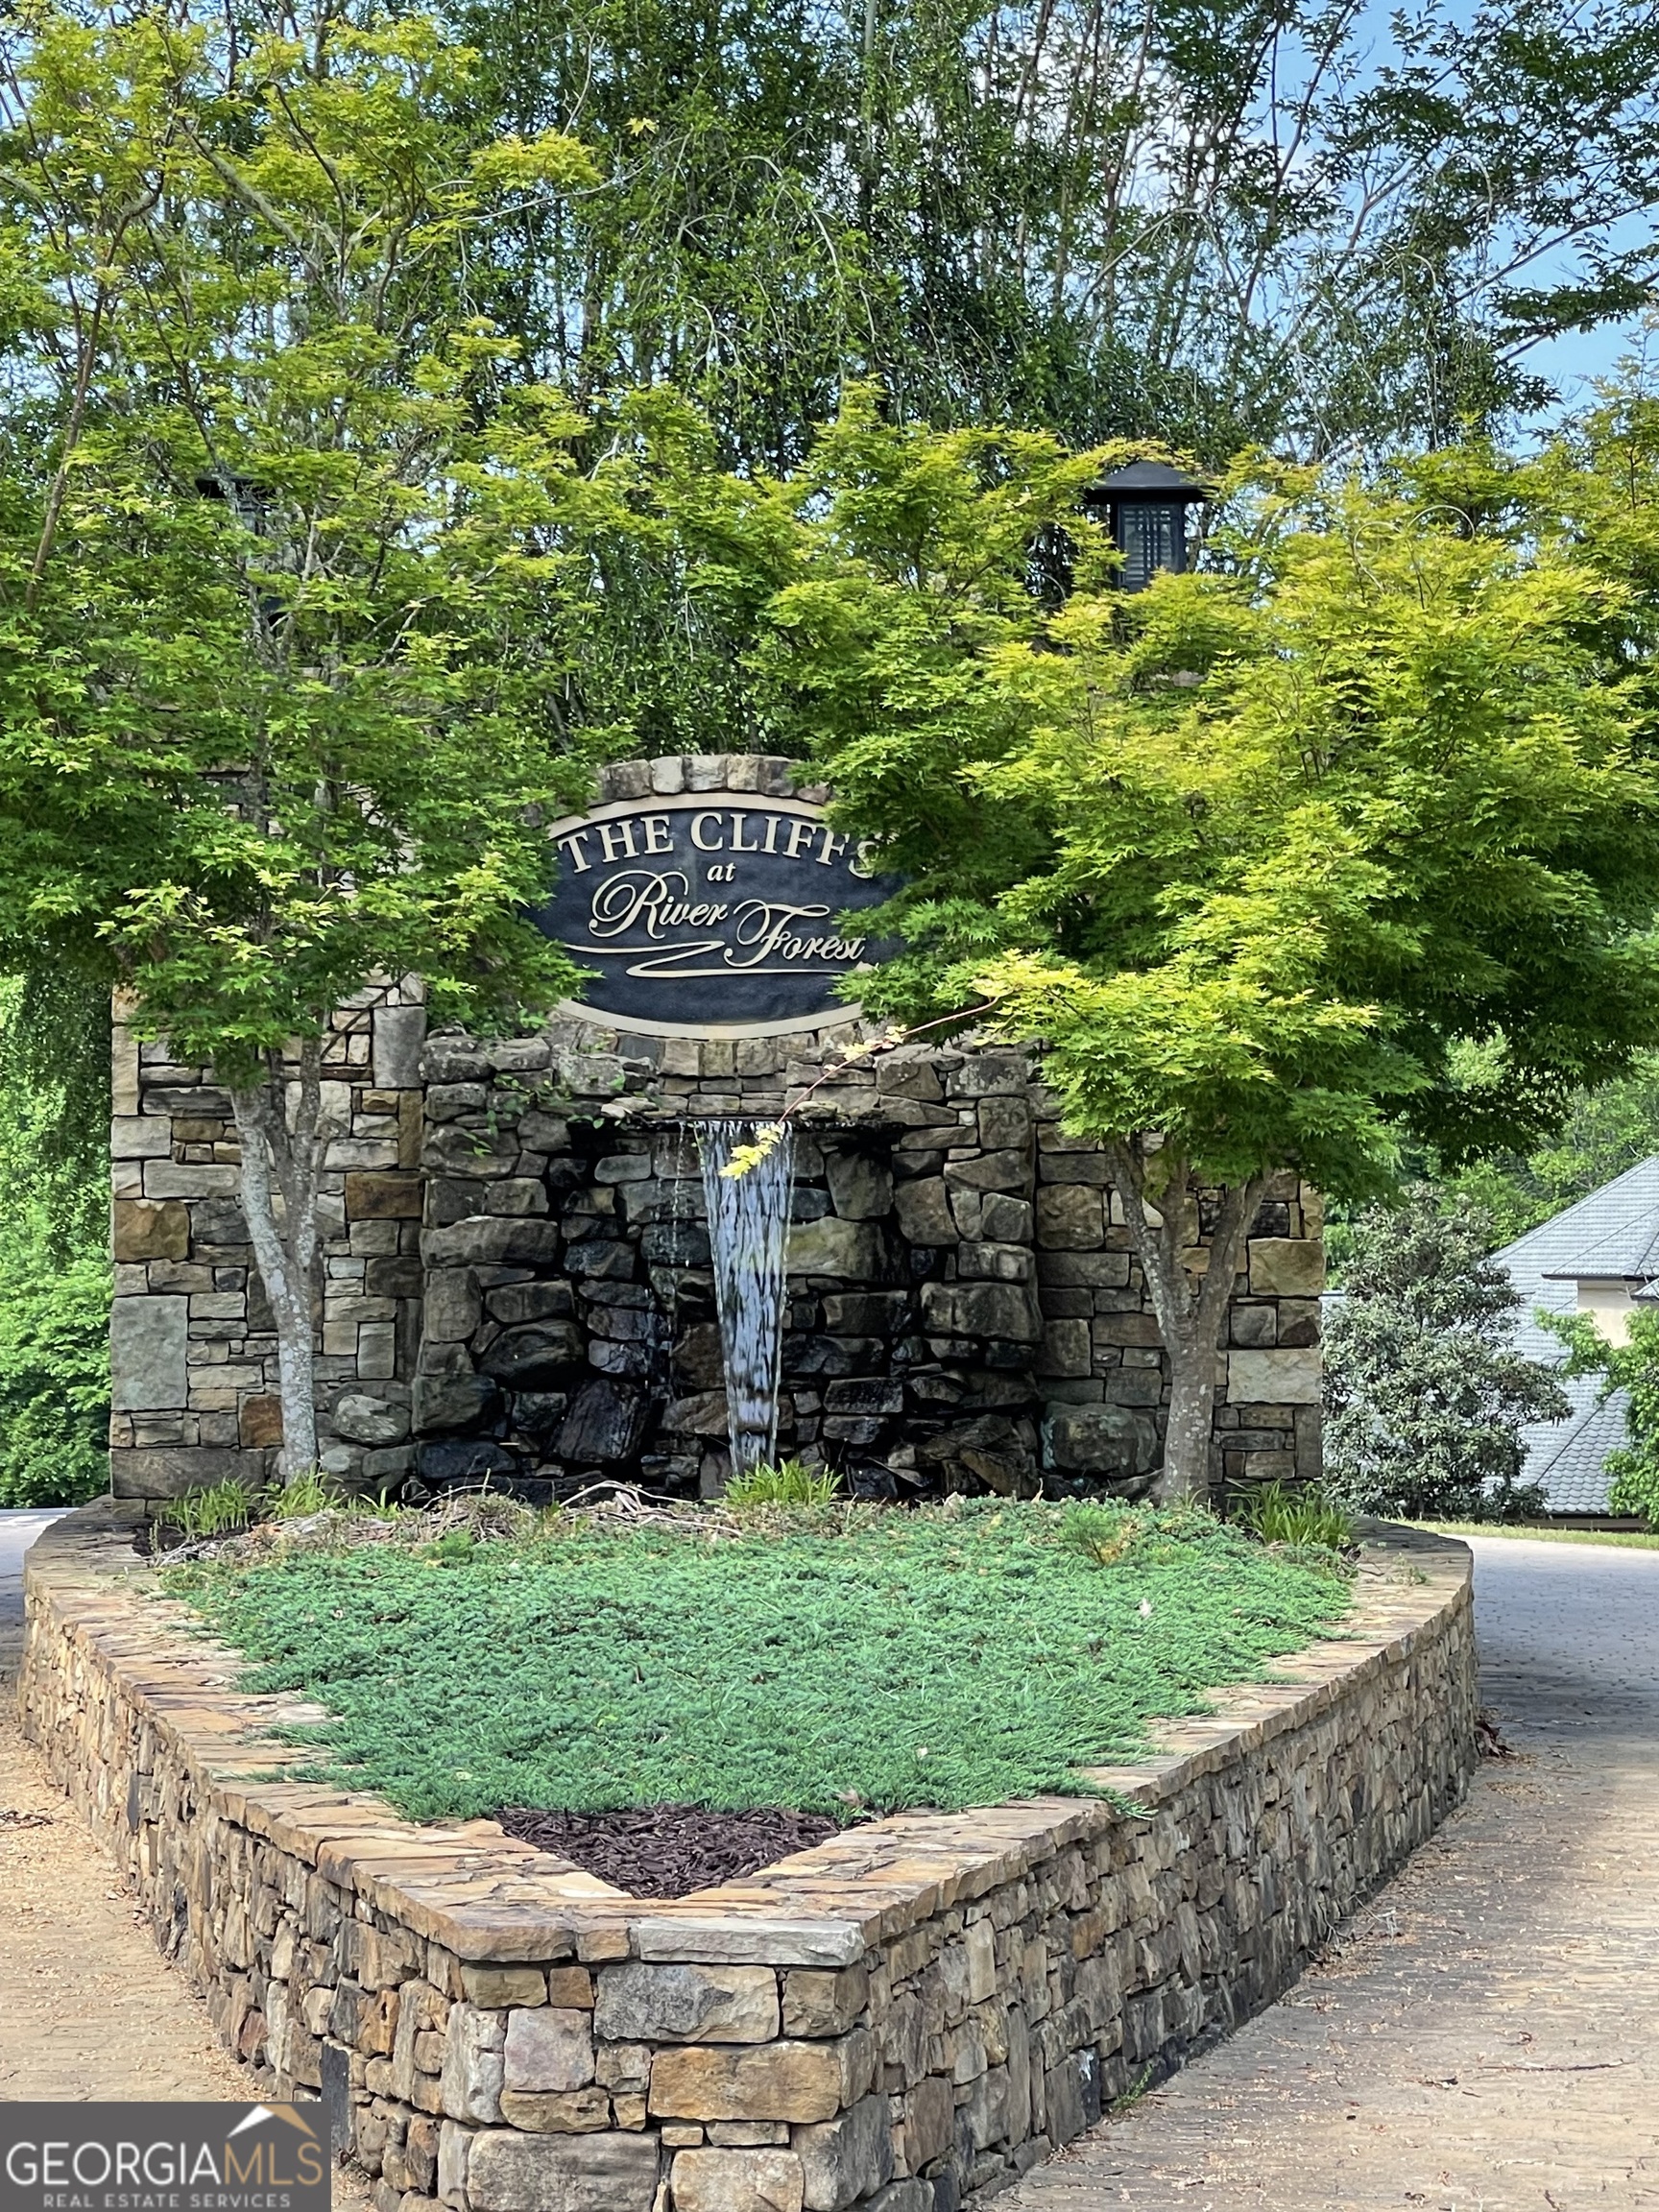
{"points": [[718, 912]]}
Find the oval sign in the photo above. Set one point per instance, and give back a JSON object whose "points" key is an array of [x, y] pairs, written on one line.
{"points": [[717, 913]]}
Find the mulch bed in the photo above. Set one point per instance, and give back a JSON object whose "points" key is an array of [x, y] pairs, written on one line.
{"points": [[668, 1850]]}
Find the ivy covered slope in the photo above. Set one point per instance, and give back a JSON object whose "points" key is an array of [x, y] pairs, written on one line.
{"points": [[842, 1662]]}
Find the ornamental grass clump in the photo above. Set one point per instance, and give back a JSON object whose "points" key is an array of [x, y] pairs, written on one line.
{"points": [[862, 1660], [792, 1483], [1277, 1514]]}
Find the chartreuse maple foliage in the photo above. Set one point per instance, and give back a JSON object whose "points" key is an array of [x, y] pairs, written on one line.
{"points": [[1252, 854]]}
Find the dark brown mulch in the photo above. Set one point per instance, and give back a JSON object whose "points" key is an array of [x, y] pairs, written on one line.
{"points": [[668, 1850]]}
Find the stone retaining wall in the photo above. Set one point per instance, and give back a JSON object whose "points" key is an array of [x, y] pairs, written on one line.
{"points": [[905, 2017]]}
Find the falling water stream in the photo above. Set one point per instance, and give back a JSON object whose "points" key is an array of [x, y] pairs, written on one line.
{"points": [[747, 1237]]}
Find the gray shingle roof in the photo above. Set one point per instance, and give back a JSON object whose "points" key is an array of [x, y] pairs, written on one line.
{"points": [[1614, 1232]]}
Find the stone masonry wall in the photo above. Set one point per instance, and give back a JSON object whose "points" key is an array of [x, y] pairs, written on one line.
{"points": [[193, 1355], [904, 2018], [965, 1311]]}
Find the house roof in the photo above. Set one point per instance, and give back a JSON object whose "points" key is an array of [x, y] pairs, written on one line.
{"points": [[1613, 1233]]}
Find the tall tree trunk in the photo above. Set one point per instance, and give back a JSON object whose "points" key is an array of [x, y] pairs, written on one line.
{"points": [[1191, 1286], [281, 1167]]}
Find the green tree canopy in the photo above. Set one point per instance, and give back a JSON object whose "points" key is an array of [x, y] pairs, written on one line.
{"points": [[1302, 223], [280, 678], [1253, 854]]}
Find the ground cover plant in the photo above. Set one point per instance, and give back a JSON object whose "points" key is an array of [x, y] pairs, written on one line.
{"points": [[834, 1660]]}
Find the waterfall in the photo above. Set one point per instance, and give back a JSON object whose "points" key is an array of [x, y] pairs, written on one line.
{"points": [[747, 1237]]}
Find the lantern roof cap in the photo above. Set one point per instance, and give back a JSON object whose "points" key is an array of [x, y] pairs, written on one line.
{"points": [[1155, 477]]}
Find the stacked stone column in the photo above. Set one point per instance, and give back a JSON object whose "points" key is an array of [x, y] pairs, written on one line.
{"points": [[193, 1352]]}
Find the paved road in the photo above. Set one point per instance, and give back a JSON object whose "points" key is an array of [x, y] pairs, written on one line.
{"points": [[17, 1531], [1486, 2036]]}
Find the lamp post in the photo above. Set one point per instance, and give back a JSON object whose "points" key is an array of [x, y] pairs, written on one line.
{"points": [[1144, 507]]}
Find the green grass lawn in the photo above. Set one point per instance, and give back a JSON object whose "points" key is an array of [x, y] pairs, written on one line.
{"points": [[1632, 1539], [874, 1660]]}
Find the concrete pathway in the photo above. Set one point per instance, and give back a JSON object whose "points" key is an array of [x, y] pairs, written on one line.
{"points": [[1486, 2037], [88, 2009]]}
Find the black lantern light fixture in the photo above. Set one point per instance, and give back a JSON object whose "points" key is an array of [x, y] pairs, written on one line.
{"points": [[1144, 507]]}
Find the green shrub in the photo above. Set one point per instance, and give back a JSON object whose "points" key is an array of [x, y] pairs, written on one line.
{"points": [[790, 1483], [53, 1378], [1278, 1515], [55, 1275], [1635, 1488], [1425, 1396]]}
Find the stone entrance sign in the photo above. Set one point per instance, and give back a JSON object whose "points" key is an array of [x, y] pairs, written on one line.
{"points": [[714, 913], [518, 1282]]}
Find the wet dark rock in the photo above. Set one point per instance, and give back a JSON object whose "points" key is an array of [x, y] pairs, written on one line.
{"points": [[538, 1413], [450, 1402], [466, 1460], [517, 1302], [453, 1150], [1133, 1386], [852, 1429], [448, 1202], [992, 1449], [611, 1358], [860, 1185], [870, 1481], [607, 1423], [626, 1324], [1003, 1310], [703, 1414], [596, 1256], [1007, 1358], [676, 1244], [865, 1394], [536, 1356], [217, 1221], [644, 1203], [865, 1312], [1104, 1441], [361, 1419], [697, 1360], [454, 1059], [492, 1241], [824, 1355]]}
